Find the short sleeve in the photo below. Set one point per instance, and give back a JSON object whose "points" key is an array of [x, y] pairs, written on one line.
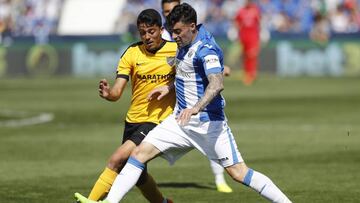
{"points": [[211, 59], [125, 65]]}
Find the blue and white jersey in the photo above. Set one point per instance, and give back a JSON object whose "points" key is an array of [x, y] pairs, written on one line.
{"points": [[194, 62]]}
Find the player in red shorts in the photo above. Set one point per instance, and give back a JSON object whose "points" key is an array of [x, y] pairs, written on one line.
{"points": [[247, 20]]}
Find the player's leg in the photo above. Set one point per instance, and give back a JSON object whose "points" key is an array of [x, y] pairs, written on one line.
{"points": [[150, 190], [250, 51], [257, 181], [220, 145], [220, 182], [107, 177], [133, 135], [165, 138], [132, 170], [234, 164]]}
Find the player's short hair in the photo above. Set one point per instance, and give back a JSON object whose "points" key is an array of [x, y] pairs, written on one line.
{"points": [[168, 1], [182, 13], [149, 17]]}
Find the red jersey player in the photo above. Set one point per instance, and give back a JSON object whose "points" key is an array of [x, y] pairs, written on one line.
{"points": [[247, 20]]}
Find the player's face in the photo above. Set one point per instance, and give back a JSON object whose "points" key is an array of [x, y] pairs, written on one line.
{"points": [[184, 34], [151, 36], [168, 7]]}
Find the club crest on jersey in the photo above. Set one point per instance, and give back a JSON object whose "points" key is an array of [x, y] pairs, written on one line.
{"points": [[171, 61], [191, 53]]}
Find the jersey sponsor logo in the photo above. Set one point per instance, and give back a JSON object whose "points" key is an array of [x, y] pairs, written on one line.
{"points": [[155, 77], [212, 61], [223, 159], [180, 69], [182, 73]]}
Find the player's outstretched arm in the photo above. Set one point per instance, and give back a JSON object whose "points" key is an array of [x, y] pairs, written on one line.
{"points": [[216, 85], [112, 93]]}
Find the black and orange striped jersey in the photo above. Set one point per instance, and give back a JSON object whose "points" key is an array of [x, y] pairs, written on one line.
{"points": [[147, 71]]}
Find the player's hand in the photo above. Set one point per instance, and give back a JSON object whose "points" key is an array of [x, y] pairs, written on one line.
{"points": [[227, 71], [104, 89], [185, 115], [158, 93]]}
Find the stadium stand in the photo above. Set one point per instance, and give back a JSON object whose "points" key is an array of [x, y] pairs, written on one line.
{"points": [[24, 18]]}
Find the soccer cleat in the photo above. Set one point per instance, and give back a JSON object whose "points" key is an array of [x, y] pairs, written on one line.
{"points": [[223, 187], [169, 201], [81, 199]]}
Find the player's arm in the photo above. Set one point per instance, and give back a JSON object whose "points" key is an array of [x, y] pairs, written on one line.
{"points": [[124, 68], [211, 59], [215, 86], [160, 92], [112, 93]]}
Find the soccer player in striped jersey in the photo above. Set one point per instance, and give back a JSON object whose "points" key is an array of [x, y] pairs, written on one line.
{"points": [[217, 169], [146, 63], [198, 120]]}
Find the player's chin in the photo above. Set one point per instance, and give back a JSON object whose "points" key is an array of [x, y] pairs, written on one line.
{"points": [[151, 47], [179, 44]]}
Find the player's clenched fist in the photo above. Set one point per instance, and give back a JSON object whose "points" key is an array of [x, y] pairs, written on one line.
{"points": [[104, 88]]}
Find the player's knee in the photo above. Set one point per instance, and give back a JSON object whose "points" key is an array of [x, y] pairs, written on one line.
{"points": [[138, 154], [144, 152], [117, 161], [237, 171]]}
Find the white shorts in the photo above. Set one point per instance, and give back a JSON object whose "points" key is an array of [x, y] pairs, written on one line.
{"points": [[214, 139]]}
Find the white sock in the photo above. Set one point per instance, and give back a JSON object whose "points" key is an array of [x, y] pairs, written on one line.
{"points": [[126, 179], [218, 171], [263, 185]]}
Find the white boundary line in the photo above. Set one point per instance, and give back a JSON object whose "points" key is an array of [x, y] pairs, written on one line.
{"points": [[28, 120]]}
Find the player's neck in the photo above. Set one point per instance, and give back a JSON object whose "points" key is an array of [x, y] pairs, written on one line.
{"points": [[157, 49], [196, 32]]}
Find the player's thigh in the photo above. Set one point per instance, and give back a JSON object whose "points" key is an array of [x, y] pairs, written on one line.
{"points": [[145, 152], [221, 145], [169, 139], [136, 132]]}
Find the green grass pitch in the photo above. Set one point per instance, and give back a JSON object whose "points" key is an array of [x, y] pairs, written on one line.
{"points": [[304, 133]]}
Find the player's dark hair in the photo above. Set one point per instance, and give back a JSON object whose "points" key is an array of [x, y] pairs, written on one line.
{"points": [[182, 13], [168, 1], [149, 17]]}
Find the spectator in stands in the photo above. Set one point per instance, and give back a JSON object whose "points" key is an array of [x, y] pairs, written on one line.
{"points": [[340, 19], [320, 31]]}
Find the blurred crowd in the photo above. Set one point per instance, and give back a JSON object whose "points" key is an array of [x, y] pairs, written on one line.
{"points": [[316, 17], [29, 18]]}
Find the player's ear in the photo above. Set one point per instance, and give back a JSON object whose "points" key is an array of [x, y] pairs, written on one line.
{"points": [[193, 27]]}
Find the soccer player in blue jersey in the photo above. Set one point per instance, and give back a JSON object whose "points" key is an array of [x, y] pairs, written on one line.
{"points": [[216, 168], [198, 120]]}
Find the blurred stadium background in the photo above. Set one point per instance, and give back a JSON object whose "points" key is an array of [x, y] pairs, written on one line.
{"points": [[299, 123]]}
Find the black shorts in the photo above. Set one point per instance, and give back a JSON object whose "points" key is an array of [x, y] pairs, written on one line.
{"points": [[136, 132]]}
